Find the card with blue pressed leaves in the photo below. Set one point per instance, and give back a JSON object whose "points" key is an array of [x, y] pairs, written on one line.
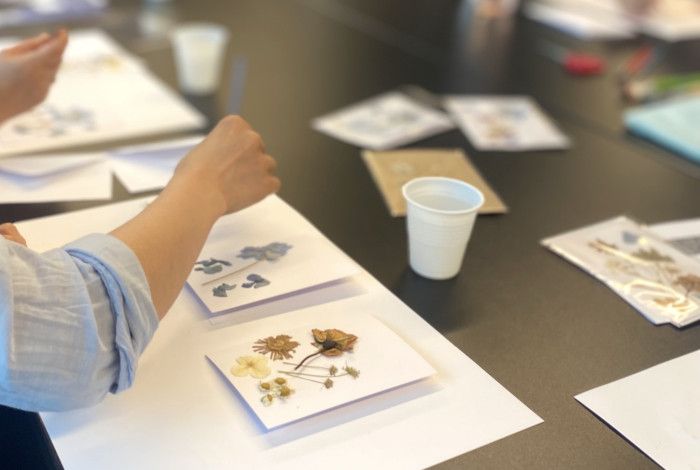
{"points": [[262, 252]]}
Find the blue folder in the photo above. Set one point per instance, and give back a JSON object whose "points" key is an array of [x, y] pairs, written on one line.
{"points": [[673, 124]]}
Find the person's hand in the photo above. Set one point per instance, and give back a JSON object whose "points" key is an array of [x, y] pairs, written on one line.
{"points": [[10, 232], [232, 162], [27, 71], [637, 7]]}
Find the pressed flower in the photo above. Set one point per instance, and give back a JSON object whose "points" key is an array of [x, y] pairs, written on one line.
{"points": [[284, 391], [265, 386], [330, 343], [280, 381], [689, 282], [251, 365], [328, 383], [278, 347], [332, 370], [333, 342], [267, 399]]}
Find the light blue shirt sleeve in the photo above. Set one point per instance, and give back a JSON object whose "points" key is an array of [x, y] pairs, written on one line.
{"points": [[73, 323]]}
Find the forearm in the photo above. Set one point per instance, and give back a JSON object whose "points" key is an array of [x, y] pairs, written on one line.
{"points": [[169, 234]]}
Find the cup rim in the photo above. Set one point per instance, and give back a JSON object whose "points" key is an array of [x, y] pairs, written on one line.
{"points": [[199, 26], [404, 190]]}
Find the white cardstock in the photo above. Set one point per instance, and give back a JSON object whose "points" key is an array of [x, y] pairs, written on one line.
{"points": [[384, 122], [505, 123], [308, 259], [657, 410], [383, 360]]}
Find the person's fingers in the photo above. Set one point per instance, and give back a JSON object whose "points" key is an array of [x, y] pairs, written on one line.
{"points": [[50, 52], [275, 184], [270, 164], [27, 45], [10, 232]]}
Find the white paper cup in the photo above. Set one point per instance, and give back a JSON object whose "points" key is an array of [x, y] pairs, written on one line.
{"points": [[199, 53], [440, 214]]}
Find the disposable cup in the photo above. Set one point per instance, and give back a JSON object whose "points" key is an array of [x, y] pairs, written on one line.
{"points": [[199, 53], [440, 215]]}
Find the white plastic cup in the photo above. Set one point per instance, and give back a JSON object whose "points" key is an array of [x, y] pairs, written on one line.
{"points": [[199, 54], [440, 215]]}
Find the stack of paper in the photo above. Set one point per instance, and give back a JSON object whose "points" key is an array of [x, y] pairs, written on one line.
{"points": [[56, 178], [661, 282], [101, 93], [148, 167]]}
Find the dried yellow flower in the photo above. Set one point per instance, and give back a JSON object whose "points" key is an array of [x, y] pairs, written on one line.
{"points": [[251, 365]]}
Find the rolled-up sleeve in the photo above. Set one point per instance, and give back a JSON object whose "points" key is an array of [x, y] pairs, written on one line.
{"points": [[73, 323]]}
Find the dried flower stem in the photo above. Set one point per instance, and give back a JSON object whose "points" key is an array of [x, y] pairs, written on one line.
{"points": [[296, 364], [305, 378], [300, 374], [230, 274]]}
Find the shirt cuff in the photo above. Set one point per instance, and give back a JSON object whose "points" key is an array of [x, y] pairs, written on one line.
{"points": [[129, 295]]}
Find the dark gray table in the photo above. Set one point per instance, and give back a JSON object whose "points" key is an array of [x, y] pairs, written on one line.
{"points": [[541, 327]]}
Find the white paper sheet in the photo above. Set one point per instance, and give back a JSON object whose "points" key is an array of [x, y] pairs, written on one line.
{"points": [[101, 93], [383, 122], [683, 234], [68, 177], [309, 258], [657, 410], [505, 123], [148, 167], [181, 415]]}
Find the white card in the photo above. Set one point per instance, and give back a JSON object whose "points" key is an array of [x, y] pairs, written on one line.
{"points": [[379, 360], [101, 93], [148, 167], [656, 409], [383, 122], [55, 178], [262, 252], [662, 283], [505, 123]]}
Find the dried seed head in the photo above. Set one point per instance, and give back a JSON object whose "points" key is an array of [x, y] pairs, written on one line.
{"points": [[328, 383], [265, 385], [332, 370], [280, 381], [352, 372]]}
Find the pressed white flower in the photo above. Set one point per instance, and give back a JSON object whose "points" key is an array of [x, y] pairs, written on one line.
{"points": [[251, 365]]}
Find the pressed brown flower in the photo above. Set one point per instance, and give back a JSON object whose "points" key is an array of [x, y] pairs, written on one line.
{"points": [[330, 343], [689, 282], [652, 255], [278, 347], [333, 342]]}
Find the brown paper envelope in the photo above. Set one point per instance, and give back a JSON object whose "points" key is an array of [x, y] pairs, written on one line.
{"points": [[391, 169]]}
